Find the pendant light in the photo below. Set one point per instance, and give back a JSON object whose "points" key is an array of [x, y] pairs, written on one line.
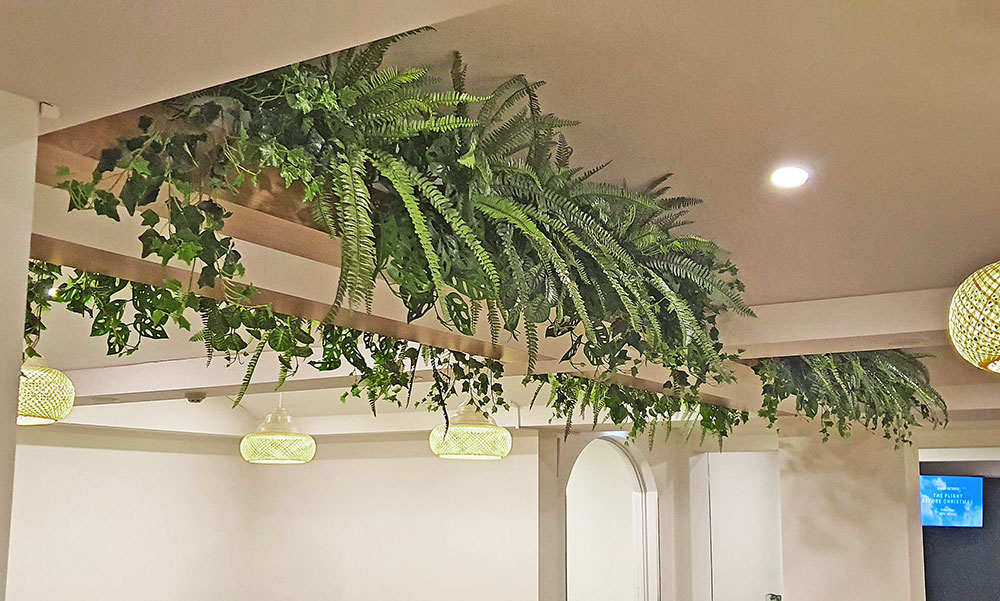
{"points": [[470, 435], [44, 395], [974, 318], [277, 441]]}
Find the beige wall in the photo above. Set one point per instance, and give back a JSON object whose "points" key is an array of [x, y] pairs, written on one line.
{"points": [[847, 522], [120, 518], [386, 520], [18, 140], [101, 515], [112, 517]]}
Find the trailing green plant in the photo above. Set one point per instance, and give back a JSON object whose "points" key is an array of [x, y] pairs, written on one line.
{"points": [[126, 313], [643, 410], [122, 312], [882, 391], [467, 205]]}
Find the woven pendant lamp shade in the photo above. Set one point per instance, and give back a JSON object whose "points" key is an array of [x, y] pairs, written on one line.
{"points": [[470, 435], [974, 318], [44, 395], [277, 441]]}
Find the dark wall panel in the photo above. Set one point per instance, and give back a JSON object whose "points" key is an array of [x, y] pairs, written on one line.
{"points": [[963, 564]]}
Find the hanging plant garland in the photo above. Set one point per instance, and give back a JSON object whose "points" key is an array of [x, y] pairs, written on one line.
{"points": [[886, 392], [385, 367], [468, 204]]}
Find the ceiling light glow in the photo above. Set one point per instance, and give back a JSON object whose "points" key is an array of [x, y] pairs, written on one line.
{"points": [[789, 177]]}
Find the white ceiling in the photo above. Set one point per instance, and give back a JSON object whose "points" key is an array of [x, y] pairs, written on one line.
{"points": [[94, 58], [893, 105], [311, 403]]}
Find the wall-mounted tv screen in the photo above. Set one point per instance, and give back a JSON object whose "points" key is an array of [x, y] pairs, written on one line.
{"points": [[955, 501]]}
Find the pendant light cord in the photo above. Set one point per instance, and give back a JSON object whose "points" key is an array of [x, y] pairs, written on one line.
{"points": [[281, 398]]}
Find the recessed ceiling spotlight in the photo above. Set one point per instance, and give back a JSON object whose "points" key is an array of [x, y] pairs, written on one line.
{"points": [[789, 177]]}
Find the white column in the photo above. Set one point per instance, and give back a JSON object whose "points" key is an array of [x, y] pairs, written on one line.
{"points": [[18, 141], [553, 473], [847, 517], [682, 533]]}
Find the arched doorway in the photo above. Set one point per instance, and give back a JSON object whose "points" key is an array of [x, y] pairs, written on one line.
{"points": [[610, 529]]}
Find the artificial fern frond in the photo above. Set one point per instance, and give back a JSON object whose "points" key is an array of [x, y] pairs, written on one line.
{"points": [[677, 202], [668, 219], [695, 244], [563, 153], [488, 116], [251, 367], [685, 267], [399, 177], [458, 72], [404, 129], [589, 173], [658, 186], [357, 230], [371, 56], [443, 205], [387, 81], [499, 209]]}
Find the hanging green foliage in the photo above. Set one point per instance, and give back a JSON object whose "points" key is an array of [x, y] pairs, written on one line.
{"points": [[882, 391], [126, 313], [643, 410], [468, 205]]}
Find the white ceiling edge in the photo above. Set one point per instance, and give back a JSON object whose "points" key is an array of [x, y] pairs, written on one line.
{"points": [[970, 454], [211, 416], [218, 417]]}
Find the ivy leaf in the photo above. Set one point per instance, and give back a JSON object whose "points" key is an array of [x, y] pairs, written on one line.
{"points": [[188, 251], [182, 322], [281, 340], [140, 165], [106, 203], [167, 251], [183, 187], [207, 277], [109, 160], [62, 171], [140, 190], [79, 193], [150, 218]]}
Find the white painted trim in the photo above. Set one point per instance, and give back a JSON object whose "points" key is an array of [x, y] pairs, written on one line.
{"points": [[916, 318]]}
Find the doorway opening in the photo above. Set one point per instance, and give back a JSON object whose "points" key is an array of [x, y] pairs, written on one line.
{"points": [[611, 527]]}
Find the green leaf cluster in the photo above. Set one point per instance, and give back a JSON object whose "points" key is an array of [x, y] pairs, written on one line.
{"points": [[888, 392], [644, 410], [125, 313]]}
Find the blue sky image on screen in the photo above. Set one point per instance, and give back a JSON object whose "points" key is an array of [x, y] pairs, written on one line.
{"points": [[955, 501]]}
